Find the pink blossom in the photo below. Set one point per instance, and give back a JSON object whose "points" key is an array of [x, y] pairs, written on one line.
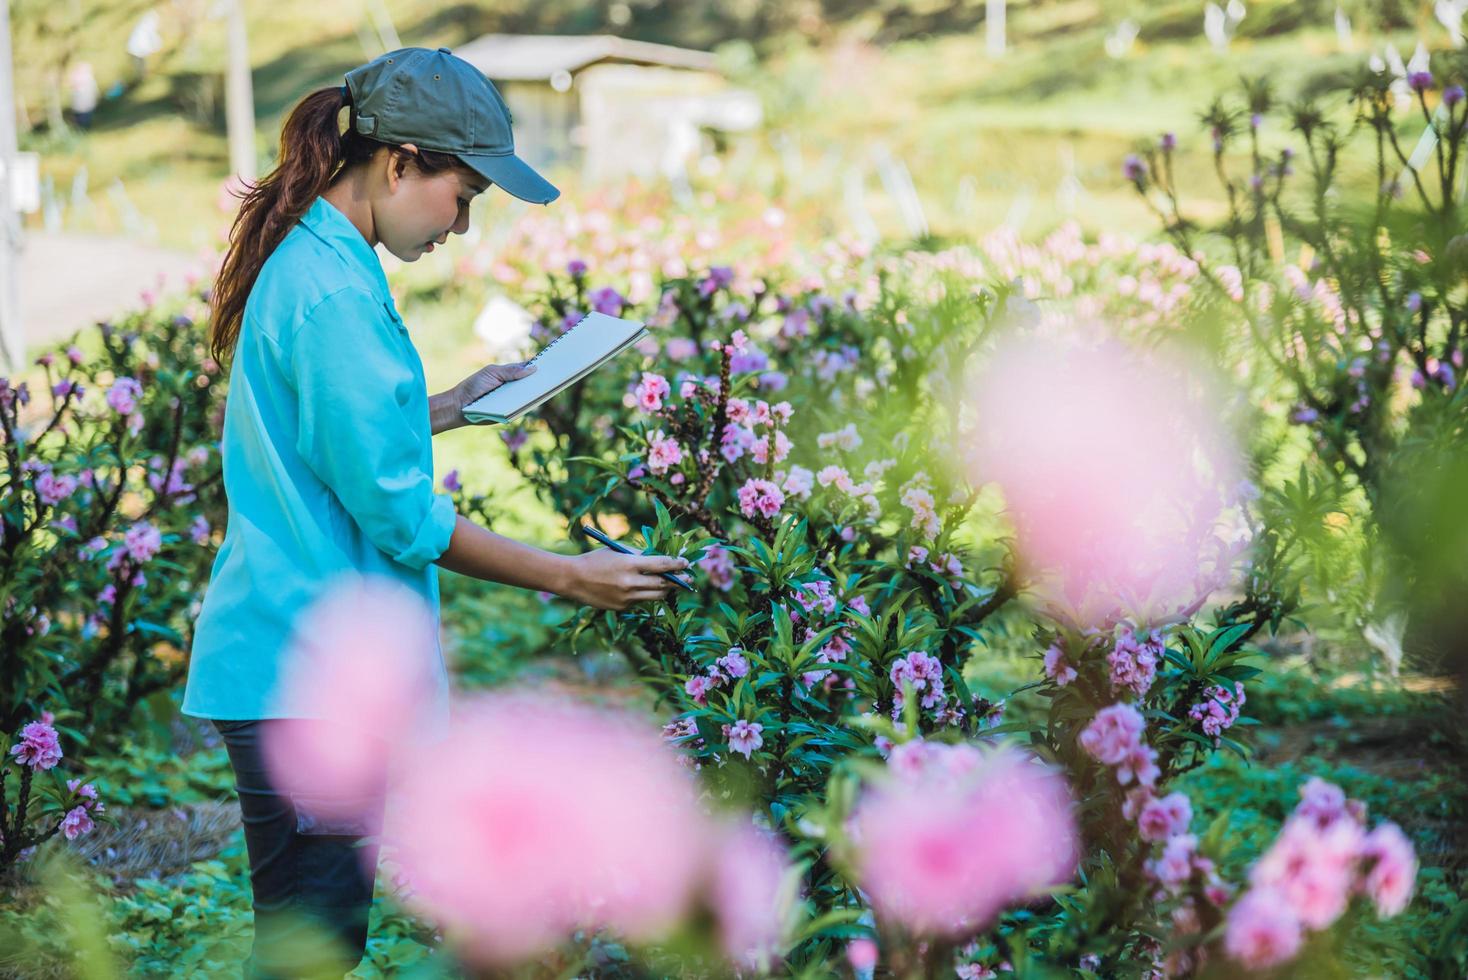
{"points": [[1140, 764], [1165, 817], [760, 497], [76, 822], [833, 474], [1113, 734], [697, 687], [752, 896], [124, 395], [551, 817], [142, 541], [924, 510], [921, 672], [735, 441], [1056, 667], [862, 955], [947, 859], [1134, 661], [607, 300], [1393, 872], [53, 489], [798, 482], [744, 736], [1321, 802], [199, 530], [1312, 868], [1219, 711], [845, 439], [651, 391], [1114, 481], [663, 452], [39, 746], [718, 564], [1263, 930], [733, 663], [1174, 866], [737, 409], [365, 688]]}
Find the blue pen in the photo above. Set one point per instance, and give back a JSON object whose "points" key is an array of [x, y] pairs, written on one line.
{"points": [[592, 532]]}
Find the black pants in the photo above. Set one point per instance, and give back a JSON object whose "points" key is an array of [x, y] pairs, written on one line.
{"points": [[312, 881]]}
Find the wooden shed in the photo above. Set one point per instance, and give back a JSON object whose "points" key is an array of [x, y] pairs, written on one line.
{"points": [[607, 105]]}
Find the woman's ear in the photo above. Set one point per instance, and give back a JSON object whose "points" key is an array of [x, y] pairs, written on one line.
{"points": [[397, 163]]}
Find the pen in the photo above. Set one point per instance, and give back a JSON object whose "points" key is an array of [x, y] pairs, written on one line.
{"points": [[592, 532]]}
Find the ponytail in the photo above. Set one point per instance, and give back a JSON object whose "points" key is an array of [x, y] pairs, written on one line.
{"points": [[311, 152]]}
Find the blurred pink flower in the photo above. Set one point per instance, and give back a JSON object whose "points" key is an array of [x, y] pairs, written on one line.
{"points": [[862, 955], [559, 817], [1263, 930], [943, 852], [1133, 661], [39, 746], [1113, 734], [1390, 881], [753, 896], [1056, 667], [363, 690], [1165, 817], [718, 564], [53, 489], [1312, 868], [1113, 469], [124, 395], [142, 541]]}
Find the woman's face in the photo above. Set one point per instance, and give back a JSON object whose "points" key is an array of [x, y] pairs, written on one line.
{"points": [[415, 211]]}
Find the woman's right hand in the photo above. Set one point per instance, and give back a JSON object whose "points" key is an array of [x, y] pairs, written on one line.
{"points": [[609, 580]]}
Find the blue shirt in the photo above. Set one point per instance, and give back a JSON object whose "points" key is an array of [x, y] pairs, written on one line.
{"points": [[328, 466]]}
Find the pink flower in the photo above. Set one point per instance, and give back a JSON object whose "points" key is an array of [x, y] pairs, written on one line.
{"points": [[76, 822], [751, 896], [53, 489], [1174, 866], [845, 439], [738, 410], [1263, 930], [718, 564], [833, 474], [651, 391], [946, 857], [862, 955], [1114, 481], [735, 441], [744, 736], [586, 812], [798, 482], [199, 530], [697, 687], [39, 746], [921, 672], [142, 541], [1221, 709], [760, 497], [365, 690], [1134, 661], [607, 300], [1393, 871], [1056, 667], [124, 395], [1113, 734], [733, 663], [1321, 802], [1312, 868], [663, 453], [1140, 764], [1165, 817]]}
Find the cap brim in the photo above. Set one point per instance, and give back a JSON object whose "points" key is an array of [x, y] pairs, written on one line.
{"points": [[515, 176]]}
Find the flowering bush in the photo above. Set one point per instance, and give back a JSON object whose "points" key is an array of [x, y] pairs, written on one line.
{"points": [[37, 802], [824, 462], [109, 496]]}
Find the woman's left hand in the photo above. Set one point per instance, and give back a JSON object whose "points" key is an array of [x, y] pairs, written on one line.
{"points": [[487, 379]]}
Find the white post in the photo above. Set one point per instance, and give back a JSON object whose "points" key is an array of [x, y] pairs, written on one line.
{"points": [[994, 27], [12, 335], [239, 97]]}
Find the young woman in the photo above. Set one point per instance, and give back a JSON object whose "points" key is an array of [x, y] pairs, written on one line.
{"points": [[327, 464]]}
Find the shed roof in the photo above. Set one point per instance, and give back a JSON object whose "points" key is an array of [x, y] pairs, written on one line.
{"points": [[536, 57]]}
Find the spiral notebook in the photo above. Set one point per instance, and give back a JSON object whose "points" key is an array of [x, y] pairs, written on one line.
{"points": [[595, 339]]}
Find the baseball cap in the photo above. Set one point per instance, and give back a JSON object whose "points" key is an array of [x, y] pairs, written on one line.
{"points": [[442, 103]]}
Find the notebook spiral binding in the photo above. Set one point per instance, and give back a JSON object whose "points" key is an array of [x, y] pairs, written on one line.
{"points": [[553, 343]]}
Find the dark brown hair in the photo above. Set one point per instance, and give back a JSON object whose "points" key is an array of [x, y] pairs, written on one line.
{"points": [[313, 153]]}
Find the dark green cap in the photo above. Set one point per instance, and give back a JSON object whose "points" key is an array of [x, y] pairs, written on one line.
{"points": [[439, 102]]}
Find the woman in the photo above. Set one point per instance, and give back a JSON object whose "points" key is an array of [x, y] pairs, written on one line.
{"points": [[327, 463]]}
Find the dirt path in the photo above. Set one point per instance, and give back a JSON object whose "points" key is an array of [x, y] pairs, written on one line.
{"points": [[69, 281]]}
